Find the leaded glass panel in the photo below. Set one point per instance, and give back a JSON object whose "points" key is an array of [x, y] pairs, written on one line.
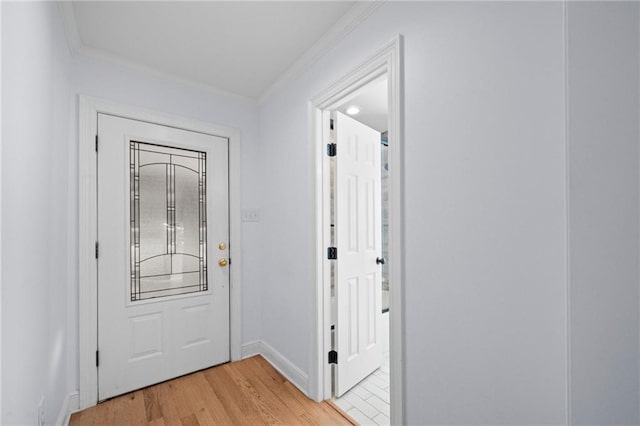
{"points": [[168, 221]]}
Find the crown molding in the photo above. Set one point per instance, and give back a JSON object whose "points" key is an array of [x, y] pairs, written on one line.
{"points": [[70, 25], [80, 50], [357, 14], [145, 70]]}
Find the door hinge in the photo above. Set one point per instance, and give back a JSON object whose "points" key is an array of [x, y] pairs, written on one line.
{"points": [[331, 124], [332, 253], [96, 143], [333, 357], [97, 358], [331, 149], [97, 249]]}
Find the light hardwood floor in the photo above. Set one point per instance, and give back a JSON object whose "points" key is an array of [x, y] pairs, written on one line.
{"points": [[248, 392]]}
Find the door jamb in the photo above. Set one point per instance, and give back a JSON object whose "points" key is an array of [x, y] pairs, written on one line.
{"points": [[388, 60], [89, 108]]}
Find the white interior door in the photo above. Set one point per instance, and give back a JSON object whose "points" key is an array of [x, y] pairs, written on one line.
{"points": [[358, 232], [163, 232]]}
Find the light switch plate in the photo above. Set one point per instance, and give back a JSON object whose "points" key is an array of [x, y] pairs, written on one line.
{"points": [[251, 215]]}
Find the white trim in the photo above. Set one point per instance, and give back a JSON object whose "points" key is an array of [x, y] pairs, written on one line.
{"points": [[638, 129], [79, 49], [357, 14], [1, 144], [251, 349], [567, 217], [146, 71], [387, 60], [69, 406], [235, 246], [70, 25], [87, 297], [288, 369]]}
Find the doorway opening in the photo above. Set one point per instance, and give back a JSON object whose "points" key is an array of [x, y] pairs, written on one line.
{"points": [[360, 383], [163, 216], [89, 111], [360, 218]]}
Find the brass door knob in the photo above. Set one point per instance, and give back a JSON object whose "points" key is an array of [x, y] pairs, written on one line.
{"points": [[223, 262]]}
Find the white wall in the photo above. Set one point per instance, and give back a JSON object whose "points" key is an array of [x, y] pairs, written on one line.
{"points": [[485, 307], [486, 304], [121, 85], [41, 83], [486, 207], [1, 209], [485, 215], [603, 142], [37, 106]]}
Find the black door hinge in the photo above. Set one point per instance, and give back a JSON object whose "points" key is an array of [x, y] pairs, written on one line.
{"points": [[333, 357], [96, 143], [97, 249], [331, 149], [332, 253], [97, 358], [331, 124]]}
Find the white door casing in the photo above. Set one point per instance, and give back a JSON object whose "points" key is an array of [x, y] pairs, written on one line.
{"points": [[386, 60], [142, 342], [89, 108], [359, 244]]}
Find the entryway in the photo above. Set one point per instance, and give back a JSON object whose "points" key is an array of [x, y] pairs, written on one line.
{"points": [[360, 279], [163, 273], [352, 353], [160, 248]]}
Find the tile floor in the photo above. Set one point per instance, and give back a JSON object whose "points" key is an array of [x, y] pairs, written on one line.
{"points": [[368, 401]]}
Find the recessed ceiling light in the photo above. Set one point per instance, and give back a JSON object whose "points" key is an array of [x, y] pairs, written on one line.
{"points": [[353, 110]]}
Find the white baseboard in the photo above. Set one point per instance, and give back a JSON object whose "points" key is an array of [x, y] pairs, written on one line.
{"points": [[288, 369], [250, 349], [70, 405]]}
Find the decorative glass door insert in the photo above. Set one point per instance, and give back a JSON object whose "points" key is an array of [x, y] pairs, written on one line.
{"points": [[168, 221]]}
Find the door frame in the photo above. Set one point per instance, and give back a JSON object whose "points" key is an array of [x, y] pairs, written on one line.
{"points": [[388, 60], [89, 108]]}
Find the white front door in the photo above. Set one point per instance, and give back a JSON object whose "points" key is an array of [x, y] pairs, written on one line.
{"points": [[359, 234], [163, 232]]}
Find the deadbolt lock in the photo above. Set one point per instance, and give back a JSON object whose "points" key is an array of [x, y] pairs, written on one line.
{"points": [[222, 246]]}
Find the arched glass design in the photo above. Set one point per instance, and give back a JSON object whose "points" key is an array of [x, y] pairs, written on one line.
{"points": [[168, 221]]}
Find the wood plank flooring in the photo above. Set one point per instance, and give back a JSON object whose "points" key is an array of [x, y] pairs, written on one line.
{"points": [[248, 392]]}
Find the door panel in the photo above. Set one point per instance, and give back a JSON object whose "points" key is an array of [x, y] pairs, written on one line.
{"points": [[163, 300], [359, 235]]}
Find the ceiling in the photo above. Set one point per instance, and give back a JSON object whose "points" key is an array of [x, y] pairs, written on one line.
{"points": [[243, 48], [371, 100]]}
